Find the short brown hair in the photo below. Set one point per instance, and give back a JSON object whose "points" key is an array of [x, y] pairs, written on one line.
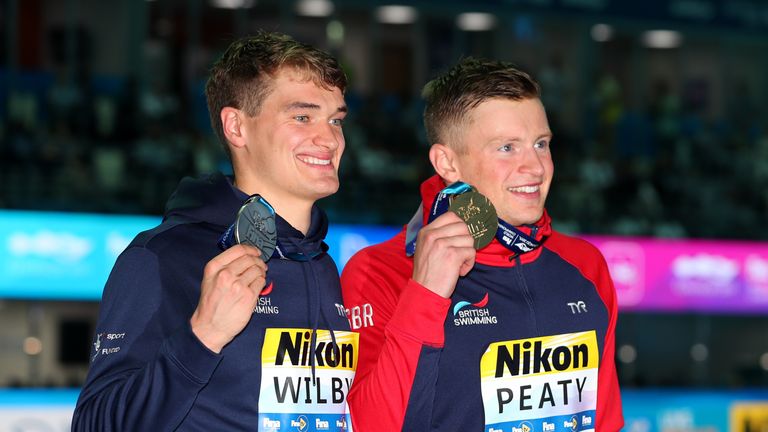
{"points": [[451, 96], [242, 77]]}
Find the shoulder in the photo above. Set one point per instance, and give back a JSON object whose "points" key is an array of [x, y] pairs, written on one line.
{"points": [[382, 264], [176, 239], [578, 252], [573, 249], [389, 254], [587, 259]]}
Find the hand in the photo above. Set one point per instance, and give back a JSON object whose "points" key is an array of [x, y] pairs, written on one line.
{"points": [[232, 282], [444, 251]]}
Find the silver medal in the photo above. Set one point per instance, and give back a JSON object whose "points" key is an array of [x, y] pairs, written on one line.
{"points": [[255, 226]]}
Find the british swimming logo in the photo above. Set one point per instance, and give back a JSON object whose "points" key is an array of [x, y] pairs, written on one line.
{"points": [[462, 304], [267, 289], [264, 304], [466, 313]]}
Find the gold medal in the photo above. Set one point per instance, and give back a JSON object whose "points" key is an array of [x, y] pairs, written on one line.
{"points": [[479, 214]]}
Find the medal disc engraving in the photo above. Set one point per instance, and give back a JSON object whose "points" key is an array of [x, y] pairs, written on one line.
{"points": [[255, 226], [479, 214]]}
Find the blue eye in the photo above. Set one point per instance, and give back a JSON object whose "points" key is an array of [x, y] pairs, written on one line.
{"points": [[301, 118], [505, 148], [542, 144], [337, 122]]}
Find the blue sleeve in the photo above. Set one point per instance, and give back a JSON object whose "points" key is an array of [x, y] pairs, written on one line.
{"points": [[147, 367]]}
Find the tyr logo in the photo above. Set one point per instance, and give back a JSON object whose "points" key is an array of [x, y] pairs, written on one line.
{"points": [[577, 307]]}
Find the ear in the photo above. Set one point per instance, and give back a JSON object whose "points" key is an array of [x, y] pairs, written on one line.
{"points": [[232, 123], [445, 162]]}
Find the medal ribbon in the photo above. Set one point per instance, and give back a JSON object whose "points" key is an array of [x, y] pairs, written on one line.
{"points": [[227, 240], [440, 206], [509, 236]]}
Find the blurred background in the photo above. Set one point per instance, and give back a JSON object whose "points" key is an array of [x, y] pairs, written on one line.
{"points": [[661, 152]]}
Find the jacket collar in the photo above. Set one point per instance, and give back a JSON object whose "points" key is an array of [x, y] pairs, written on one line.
{"points": [[495, 254]]}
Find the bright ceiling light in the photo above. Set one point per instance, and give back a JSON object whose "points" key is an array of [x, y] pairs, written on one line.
{"points": [[396, 14], [662, 39], [476, 21], [233, 4], [601, 32], [314, 8]]}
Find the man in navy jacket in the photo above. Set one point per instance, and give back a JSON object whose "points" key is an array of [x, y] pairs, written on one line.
{"points": [[195, 336]]}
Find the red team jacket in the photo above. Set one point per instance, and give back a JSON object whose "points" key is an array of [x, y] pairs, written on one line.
{"points": [[526, 343]]}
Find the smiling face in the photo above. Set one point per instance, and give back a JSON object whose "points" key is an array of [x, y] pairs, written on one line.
{"points": [[291, 149], [503, 151]]}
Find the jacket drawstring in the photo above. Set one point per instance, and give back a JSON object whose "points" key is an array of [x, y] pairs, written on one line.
{"points": [[317, 312]]}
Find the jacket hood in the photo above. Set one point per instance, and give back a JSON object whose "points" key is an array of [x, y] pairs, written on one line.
{"points": [[213, 199], [495, 253]]}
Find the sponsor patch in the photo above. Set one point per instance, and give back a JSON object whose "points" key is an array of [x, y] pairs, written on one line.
{"points": [[292, 397], [541, 384]]}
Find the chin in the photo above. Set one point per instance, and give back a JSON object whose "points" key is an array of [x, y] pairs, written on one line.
{"points": [[325, 192], [526, 219]]}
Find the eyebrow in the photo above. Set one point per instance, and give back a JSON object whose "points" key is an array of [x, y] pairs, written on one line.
{"points": [[500, 138], [312, 106]]}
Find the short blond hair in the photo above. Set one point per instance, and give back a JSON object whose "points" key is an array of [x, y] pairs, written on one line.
{"points": [[451, 96]]}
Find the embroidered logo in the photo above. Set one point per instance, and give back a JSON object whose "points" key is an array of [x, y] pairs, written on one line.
{"points": [[577, 307], [474, 315], [96, 346], [360, 316], [267, 289]]}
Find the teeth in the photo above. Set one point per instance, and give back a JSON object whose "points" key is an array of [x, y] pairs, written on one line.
{"points": [[524, 189], [315, 161]]}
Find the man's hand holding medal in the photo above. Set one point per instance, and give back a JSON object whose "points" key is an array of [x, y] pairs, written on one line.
{"points": [[233, 280], [445, 248]]}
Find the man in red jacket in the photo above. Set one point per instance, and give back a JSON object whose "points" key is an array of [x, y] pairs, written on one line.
{"points": [[473, 320]]}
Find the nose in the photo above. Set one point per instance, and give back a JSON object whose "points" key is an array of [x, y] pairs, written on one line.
{"points": [[532, 163], [328, 136]]}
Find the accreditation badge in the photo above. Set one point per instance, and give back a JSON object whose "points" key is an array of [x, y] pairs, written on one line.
{"points": [[541, 384], [292, 398]]}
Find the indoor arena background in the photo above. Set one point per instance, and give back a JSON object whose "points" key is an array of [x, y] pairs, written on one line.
{"points": [[661, 159]]}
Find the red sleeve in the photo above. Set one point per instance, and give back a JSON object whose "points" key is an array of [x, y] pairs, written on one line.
{"points": [[396, 318], [609, 415]]}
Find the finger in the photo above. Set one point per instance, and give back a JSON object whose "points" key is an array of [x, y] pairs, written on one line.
{"points": [[445, 219], [448, 230], [255, 278], [459, 241], [244, 263], [234, 253]]}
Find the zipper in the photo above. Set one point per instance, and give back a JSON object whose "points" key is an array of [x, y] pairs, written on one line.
{"points": [[526, 292]]}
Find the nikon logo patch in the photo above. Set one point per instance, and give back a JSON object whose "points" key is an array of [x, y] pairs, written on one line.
{"points": [[547, 383], [306, 377]]}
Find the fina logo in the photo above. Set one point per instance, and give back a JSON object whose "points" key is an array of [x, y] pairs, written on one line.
{"points": [[573, 424], [301, 423], [523, 427], [462, 304]]}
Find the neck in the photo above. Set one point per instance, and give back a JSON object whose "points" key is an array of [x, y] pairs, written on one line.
{"points": [[295, 211]]}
